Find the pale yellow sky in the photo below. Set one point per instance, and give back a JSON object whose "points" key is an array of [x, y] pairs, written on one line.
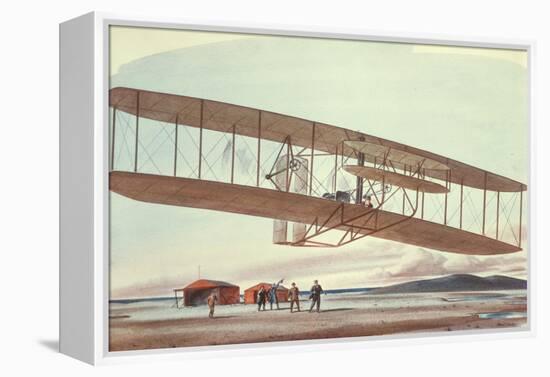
{"points": [[515, 56], [140, 42]]}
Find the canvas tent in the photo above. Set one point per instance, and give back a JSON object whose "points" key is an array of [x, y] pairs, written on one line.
{"points": [[251, 294], [198, 291]]}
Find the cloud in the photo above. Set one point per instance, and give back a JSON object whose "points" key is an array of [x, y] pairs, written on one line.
{"points": [[421, 263], [424, 263], [474, 264], [320, 262], [146, 289], [377, 264]]}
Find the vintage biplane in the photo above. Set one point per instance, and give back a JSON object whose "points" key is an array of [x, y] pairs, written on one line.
{"points": [[393, 186]]}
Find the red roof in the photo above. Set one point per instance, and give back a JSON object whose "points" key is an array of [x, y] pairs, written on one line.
{"points": [[205, 283], [267, 286]]}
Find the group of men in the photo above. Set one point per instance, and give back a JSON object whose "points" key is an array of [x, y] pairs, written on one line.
{"points": [[293, 296], [271, 296], [268, 295]]}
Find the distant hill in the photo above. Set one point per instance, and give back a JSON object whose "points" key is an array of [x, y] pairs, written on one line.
{"points": [[458, 282]]}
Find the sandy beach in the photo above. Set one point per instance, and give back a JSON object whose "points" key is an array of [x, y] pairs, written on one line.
{"points": [[159, 324]]}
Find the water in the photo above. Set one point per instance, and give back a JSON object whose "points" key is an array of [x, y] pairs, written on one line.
{"points": [[302, 293], [475, 298], [512, 297], [502, 315], [164, 309]]}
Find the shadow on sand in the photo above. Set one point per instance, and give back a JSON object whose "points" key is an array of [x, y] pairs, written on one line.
{"points": [[306, 310], [222, 316], [335, 310]]}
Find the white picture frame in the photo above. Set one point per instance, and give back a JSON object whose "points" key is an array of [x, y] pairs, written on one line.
{"points": [[84, 168]]}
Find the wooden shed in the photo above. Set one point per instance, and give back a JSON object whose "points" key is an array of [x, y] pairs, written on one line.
{"points": [[251, 294], [198, 291]]}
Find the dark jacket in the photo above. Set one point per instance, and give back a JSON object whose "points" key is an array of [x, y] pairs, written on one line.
{"points": [[261, 296], [316, 290]]}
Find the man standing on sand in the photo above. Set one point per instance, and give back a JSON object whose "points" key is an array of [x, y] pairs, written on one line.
{"points": [[212, 299], [273, 295], [261, 298], [315, 296], [294, 297]]}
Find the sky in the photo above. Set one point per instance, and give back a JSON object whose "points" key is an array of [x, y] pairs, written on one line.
{"points": [[469, 104]]}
